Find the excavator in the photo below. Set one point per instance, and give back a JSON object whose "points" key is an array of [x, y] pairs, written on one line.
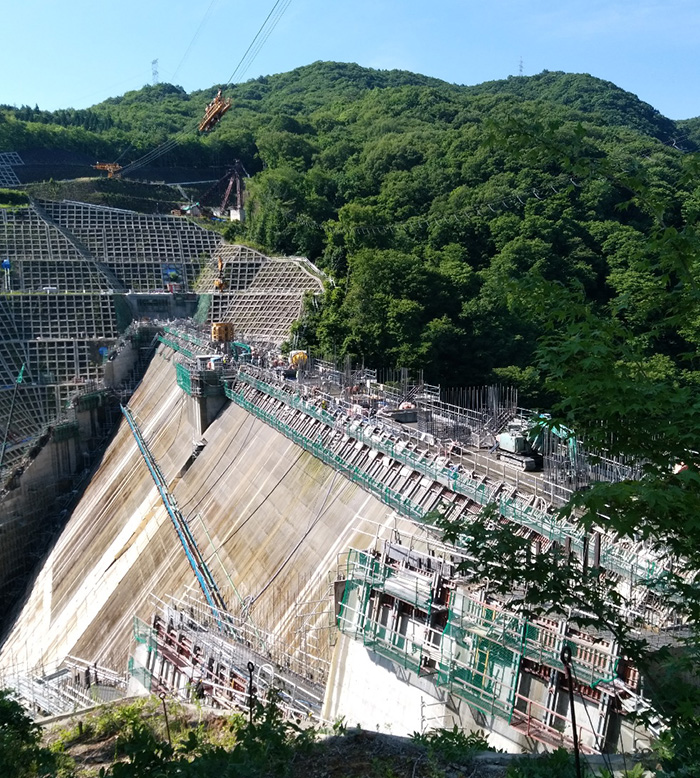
{"points": [[214, 112]]}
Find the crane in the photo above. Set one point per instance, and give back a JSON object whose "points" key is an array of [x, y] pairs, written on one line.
{"points": [[112, 168], [219, 105], [214, 112]]}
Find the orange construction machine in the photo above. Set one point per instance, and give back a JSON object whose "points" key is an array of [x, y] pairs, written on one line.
{"points": [[214, 112], [112, 168]]}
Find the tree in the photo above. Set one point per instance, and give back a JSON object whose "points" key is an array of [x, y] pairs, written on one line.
{"points": [[627, 384], [21, 755]]}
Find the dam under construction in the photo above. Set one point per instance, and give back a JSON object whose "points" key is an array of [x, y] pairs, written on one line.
{"points": [[218, 516]]}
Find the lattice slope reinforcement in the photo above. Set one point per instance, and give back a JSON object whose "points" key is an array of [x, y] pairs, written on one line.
{"points": [[77, 274]]}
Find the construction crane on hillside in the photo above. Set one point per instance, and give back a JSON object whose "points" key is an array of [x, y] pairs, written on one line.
{"points": [[112, 168], [219, 105], [233, 177]]}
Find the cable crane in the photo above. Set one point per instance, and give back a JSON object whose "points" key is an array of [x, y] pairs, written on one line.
{"points": [[219, 105], [214, 112], [112, 168]]}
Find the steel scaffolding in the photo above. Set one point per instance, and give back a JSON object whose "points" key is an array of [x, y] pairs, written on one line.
{"points": [[409, 607]]}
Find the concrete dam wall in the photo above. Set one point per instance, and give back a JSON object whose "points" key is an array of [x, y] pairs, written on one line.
{"points": [[281, 498], [269, 517]]}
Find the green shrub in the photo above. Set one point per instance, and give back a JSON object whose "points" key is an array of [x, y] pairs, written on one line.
{"points": [[13, 197]]}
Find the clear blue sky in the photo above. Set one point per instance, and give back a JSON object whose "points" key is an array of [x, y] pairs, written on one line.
{"points": [[74, 53]]}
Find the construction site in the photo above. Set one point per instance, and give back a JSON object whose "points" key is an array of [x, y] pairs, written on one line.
{"points": [[218, 515]]}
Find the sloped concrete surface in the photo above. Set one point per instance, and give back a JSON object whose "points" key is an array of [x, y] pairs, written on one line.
{"points": [[276, 516]]}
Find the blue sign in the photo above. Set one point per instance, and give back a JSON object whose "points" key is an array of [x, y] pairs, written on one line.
{"points": [[6, 264]]}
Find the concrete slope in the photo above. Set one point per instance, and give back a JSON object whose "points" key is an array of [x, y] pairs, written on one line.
{"points": [[275, 516]]}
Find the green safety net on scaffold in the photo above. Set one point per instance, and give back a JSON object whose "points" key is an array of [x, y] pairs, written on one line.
{"points": [[623, 562], [481, 647], [367, 576], [183, 378]]}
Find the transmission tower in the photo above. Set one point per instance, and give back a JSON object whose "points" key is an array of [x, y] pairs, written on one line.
{"points": [[154, 71]]}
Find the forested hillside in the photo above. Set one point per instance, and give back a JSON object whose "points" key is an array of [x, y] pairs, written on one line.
{"points": [[437, 209]]}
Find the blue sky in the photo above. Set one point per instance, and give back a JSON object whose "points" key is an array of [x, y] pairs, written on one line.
{"points": [[74, 53]]}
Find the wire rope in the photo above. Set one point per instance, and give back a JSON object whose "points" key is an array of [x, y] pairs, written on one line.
{"points": [[188, 505], [244, 64], [207, 13], [123, 152], [240, 526], [275, 14], [599, 745]]}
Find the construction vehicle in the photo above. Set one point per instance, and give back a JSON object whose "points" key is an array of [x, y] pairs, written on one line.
{"points": [[243, 352], [214, 112], [515, 445]]}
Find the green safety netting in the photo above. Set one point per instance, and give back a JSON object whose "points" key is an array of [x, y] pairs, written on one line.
{"points": [[65, 431], [389, 496], [140, 673], [481, 647], [183, 378], [626, 563], [181, 335], [176, 346], [365, 575], [144, 634]]}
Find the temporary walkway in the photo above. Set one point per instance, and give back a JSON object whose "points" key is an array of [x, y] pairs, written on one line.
{"points": [[199, 566]]}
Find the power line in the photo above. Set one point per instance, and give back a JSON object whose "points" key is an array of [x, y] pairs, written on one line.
{"points": [[261, 36], [276, 12], [194, 38]]}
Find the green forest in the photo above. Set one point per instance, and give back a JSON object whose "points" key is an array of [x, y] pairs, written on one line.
{"points": [[436, 209]]}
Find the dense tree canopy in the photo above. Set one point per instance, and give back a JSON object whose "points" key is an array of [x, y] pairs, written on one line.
{"points": [[427, 202]]}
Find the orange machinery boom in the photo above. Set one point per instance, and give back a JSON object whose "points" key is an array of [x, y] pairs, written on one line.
{"points": [[112, 168]]}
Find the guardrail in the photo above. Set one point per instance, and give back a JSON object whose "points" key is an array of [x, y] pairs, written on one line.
{"points": [[612, 557]]}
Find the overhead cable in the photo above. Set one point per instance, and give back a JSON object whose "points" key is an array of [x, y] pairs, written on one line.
{"points": [[244, 64]]}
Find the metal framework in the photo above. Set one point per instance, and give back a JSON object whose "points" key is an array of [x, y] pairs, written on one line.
{"points": [[9, 160], [405, 603], [262, 296], [184, 643], [61, 304]]}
